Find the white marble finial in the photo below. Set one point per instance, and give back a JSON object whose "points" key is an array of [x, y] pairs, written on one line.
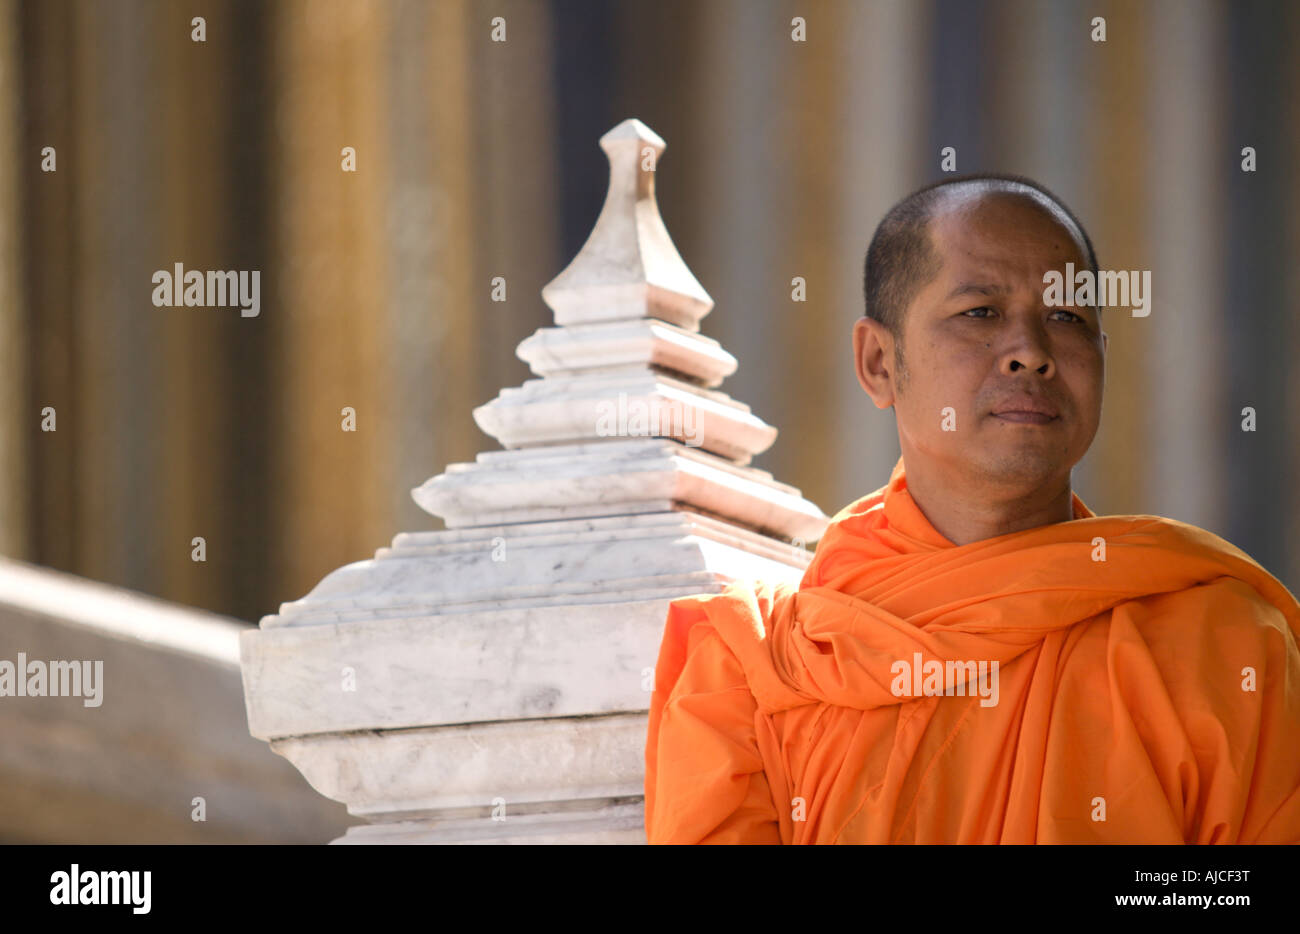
{"points": [[629, 268]]}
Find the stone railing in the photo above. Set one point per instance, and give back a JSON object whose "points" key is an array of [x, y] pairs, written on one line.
{"points": [[490, 682], [149, 742]]}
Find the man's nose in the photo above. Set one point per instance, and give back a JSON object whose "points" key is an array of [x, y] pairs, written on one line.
{"points": [[1028, 350]]}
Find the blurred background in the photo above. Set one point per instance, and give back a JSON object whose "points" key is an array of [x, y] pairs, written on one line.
{"points": [[478, 159]]}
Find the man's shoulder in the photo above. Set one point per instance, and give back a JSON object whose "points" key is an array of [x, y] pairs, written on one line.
{"points": [[1221, 610], [751, 597], [740, 614], [731, 629], [1207, 565]]}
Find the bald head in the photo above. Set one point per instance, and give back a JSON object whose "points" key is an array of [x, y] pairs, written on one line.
{"points": [[902, 257]]}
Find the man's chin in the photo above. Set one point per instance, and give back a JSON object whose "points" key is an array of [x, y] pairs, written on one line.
{"points": [[1023, 472]]}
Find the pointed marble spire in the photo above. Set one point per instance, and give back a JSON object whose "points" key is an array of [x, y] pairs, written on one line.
{"points": [[629, 268], [627, 359]]}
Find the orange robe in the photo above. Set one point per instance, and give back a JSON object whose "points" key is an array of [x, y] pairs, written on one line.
{"points": [[1150, 697]]}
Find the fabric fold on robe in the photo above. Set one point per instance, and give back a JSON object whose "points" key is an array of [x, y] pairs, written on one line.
{"points": [[1111, 679]]}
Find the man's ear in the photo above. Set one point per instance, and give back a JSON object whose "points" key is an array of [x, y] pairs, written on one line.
{"points": [[873, 355]]}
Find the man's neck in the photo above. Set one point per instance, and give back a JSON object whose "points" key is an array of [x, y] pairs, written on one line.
{"points": [[963, 516]]}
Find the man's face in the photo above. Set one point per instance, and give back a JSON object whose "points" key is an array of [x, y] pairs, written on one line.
{"points": [[1002, 393]]}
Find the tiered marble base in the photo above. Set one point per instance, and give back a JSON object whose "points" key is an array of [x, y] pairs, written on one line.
{"points": [[571, 780], [524, 679]]}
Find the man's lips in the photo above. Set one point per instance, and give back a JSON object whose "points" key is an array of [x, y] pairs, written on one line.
{"points": [[1026, 410], [1027, 418]]}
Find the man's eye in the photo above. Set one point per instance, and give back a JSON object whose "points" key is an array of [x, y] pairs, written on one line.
{"points": [[1063, 311], [970, 311]]}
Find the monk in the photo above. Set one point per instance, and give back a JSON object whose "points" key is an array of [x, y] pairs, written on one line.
{"points": [[973, 656]]}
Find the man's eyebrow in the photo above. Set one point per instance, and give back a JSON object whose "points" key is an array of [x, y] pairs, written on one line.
{"points": [[978, 288]]}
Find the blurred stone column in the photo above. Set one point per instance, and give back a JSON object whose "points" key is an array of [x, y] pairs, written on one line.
{"points": [[17, 414]]}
